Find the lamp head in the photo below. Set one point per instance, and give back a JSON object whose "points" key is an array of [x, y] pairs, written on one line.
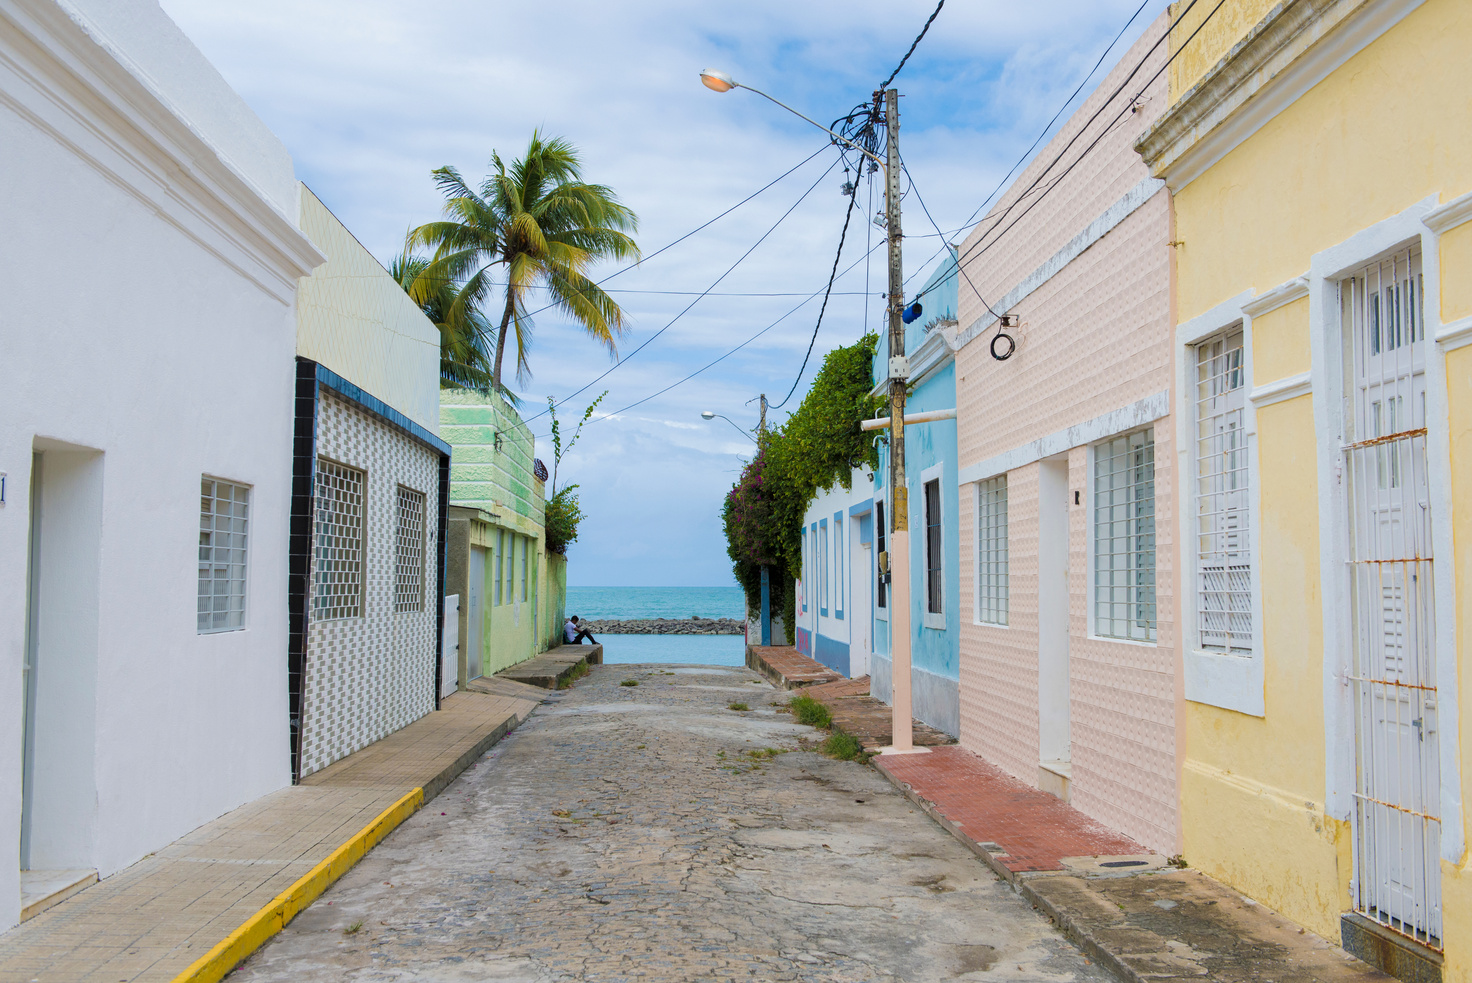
{"points": [[707, 414], [717, 81]]}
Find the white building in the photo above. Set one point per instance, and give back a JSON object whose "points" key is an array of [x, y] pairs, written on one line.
{"points": [[151, 259], [837, 595]]}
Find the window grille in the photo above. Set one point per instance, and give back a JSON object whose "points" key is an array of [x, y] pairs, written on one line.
{"points": [[525, 544], [223, 509], [991, 551], [1223, 548], [338, 573], [409, 552], [881, 533], [1124, 537], [934, 551]]}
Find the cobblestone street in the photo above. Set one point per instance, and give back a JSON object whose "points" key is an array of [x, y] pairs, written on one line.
{"points": [[649, 832]]}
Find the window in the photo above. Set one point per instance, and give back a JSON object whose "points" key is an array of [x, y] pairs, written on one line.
{"points": [[823, 566], [838, 567], [1124, 537], [409, 552], [525, 544], [222, 538], [337, 589], [881, 558], [991, 551], [500, 562], [1223, 557], [934, 551], [807, 564]]}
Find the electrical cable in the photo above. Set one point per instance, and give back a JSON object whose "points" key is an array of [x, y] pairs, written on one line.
{"points": [[847, 215], [971, 220], [915, 188], [885, 84], [645, 343]]}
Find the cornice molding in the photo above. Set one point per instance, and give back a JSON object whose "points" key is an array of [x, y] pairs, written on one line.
{"points": [[1454, 213], [64, 82], [1290, 51], [1457, 334], [1279, 296], [1278, 390]]}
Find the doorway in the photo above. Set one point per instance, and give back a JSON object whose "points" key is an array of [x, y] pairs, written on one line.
{"points": [[1055, 752], [1397, 776], [861, 596], [58, 738], [475, 616]]}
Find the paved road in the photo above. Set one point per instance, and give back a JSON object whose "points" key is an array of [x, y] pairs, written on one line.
{"points": [[628, 833]]}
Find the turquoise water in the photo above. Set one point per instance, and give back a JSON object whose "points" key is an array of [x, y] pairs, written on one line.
{"points": [[705, 650], [623, 603]]}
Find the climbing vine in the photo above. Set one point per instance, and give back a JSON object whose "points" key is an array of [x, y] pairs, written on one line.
{"points": [[816, 448]]}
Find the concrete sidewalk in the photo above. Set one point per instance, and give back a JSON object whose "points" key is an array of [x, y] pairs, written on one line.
{"points": [[1137, 915], [224, 888]]}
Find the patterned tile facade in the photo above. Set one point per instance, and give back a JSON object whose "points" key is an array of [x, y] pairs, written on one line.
{"points": [[1094, 338], [368, 676]]}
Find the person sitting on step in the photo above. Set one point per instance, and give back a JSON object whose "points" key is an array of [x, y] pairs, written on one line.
{"points": [[573, 633]]}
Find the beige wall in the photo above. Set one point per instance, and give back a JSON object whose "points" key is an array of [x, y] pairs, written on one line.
{"points": [[354, 319]]}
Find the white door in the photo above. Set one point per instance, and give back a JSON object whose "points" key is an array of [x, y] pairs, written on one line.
{"points": [[476, 614], [1397, 794], [862, 605]]}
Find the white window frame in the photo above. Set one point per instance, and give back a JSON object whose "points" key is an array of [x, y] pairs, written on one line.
{"points": [[823, 607], [930, 619], [1217, 608], [1092, 536], [243, 564], [980, 609], [807, 562]]}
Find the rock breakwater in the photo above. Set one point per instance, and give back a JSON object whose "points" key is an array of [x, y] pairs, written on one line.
{"points": [[668, 626]]}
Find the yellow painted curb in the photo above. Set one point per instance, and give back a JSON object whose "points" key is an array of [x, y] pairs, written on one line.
{"points": [[229, 952]]}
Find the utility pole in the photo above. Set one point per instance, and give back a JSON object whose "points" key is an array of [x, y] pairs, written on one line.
{"points": [[899, 497], [762, 426]]}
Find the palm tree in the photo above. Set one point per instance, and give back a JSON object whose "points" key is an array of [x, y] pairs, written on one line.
{"points": [[540, 221], [466, 355]]}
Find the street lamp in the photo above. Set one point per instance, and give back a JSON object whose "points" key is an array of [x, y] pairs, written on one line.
{"points": [[899, 371], [711, 416]]}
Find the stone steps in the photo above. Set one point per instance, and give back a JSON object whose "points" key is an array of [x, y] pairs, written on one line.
{"points": [[555, 666]]}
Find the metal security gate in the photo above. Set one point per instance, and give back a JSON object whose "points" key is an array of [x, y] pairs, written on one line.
{"points": [[1397, 784]]}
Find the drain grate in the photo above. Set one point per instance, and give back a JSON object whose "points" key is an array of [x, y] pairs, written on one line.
{"points": [[1125, 863]]}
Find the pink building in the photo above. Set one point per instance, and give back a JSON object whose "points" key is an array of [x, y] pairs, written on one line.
{"points": [[1068, 661]]}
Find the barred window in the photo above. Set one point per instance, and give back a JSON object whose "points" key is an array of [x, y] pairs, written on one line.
{"points": [[1124, 537], [337, 580], [1223, 552], [409, 552], [223, 508], [991, 551]]}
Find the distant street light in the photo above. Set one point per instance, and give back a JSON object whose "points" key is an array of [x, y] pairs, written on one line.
{"points": [[709, 415]]}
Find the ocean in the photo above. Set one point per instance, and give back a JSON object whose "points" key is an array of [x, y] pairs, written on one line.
{"points": [[628, 603]]}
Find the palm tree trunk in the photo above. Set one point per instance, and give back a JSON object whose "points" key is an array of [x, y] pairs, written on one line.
{"points": [[501, 338]]}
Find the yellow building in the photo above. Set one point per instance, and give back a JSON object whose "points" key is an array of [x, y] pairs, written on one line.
{"points": [[1320, 157]]}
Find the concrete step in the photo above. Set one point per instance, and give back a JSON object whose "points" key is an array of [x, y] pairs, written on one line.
{"points": [[555, 668]]}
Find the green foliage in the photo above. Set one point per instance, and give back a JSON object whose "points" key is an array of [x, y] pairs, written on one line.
{"points": [[811, 712], [629, 682], [737, 706], [534, 223], [816, 448], [844, 747], [560, 519], [560, 513], [466, 348]]}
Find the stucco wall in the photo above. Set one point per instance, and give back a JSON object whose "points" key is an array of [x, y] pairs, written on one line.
{"points": [[156, 388], [494, 450], [354, 319]]}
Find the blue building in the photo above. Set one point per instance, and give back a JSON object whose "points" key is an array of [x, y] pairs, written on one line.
{"points": [[934, 507]]}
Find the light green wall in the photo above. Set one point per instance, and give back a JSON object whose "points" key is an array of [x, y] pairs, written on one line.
{"points": [[483, 475]]}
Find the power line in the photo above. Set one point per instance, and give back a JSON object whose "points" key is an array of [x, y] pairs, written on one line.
{"points": [[828, 292], [1028, 153], [644, 344], [930, 20]]}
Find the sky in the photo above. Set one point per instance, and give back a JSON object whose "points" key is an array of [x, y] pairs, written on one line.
{"points": [[370, 96]]}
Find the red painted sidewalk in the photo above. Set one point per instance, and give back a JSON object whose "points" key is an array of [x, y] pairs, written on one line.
{"points": [[1033, 829]]}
